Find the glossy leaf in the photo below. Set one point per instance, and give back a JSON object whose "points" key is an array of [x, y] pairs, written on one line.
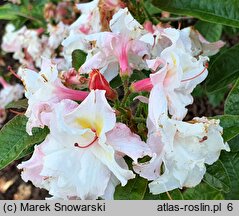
{"points": [[211, 31], [151, 9], [202, 191], [234, 144], [230, 124], [223, 70], [26, 152], [8, 12], [217, 177], [175, 194], [134, 190], [232, 101], [21, 104], [225, 12], [78, 58], [14, 139], [231, 162]]}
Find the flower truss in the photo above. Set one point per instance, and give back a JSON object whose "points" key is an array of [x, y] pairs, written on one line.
{"points": [[93, 144]]}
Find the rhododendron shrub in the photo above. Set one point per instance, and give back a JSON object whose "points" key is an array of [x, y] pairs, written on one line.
{"points": [[108, 84]]}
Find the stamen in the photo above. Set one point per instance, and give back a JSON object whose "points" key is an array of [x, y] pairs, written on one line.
{"points": [[205, 68], [203, 139], [77, 144], [3, 82], [154, 41], [16, 112], [13, 72], [179, 25]]}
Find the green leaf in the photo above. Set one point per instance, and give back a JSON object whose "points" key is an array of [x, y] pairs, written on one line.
{"points": [[230, 124], [78, 58], [223, 70], [230, 31], [14, 139], [211, 31], [234, 144], [217, 177], [8, 12], [202, 191], [232, 101], [134, 190], [150, 196], [19, 22], [150, 8], [138, 75], [116, 82], [21, 104], [175, 194], [230, 161], [25, 152], [225, 12], [216, 98]]}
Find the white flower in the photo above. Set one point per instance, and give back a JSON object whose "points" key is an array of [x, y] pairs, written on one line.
{"points": [[8, 93], [89, 20], [177, 71], [43, 91], [94, 18], [57, 34], [27, 45], [181, 149], [92, 145], [120, 49]]}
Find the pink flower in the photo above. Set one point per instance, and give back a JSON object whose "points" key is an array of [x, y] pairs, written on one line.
{"points": [[142, 85], [92, 145], [119, 50], [43, 91], [174, 69]]}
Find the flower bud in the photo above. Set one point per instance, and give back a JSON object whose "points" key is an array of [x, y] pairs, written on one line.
{"points": [[142, 85], [98, 81]]}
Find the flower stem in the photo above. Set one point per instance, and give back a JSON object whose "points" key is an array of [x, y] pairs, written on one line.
{"points": [[126, 90], [173, 19], [169, 196]]}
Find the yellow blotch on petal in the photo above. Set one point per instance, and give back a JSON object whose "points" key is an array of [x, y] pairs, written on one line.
{"points": [[95, 125]]}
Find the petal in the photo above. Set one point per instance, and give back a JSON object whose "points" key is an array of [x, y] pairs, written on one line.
{"points": [[10, 93], [110, 189], [151, 169], [106, 154], [214, 142], [31, 80], [32, 167], [72, 42], [124, 141], [63, 125], [48, 70], [192, 145], [98, 61], [94, 113], [89, 177], [142, 99], [155, 63], [157, 106], [123, 22]]}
